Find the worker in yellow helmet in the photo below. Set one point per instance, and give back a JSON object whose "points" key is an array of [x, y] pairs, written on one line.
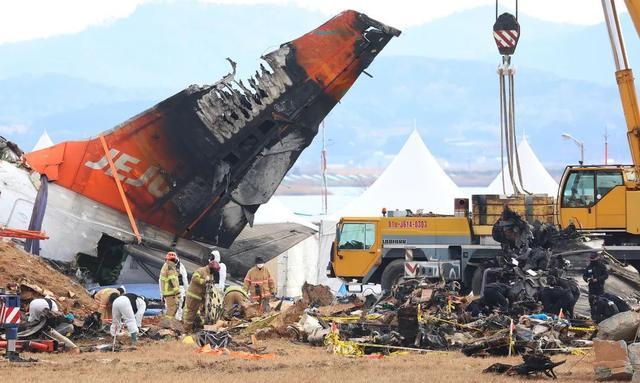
{"points": [[196, 292], [170, 285]]}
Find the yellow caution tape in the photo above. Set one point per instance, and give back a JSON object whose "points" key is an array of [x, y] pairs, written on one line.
{"points": [[343, 347], [430, 318], [351, 318]]}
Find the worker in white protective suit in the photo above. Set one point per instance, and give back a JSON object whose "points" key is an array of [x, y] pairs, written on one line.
{"points": [[184, 283], [127, 310], [215, 256], [38, 306]]}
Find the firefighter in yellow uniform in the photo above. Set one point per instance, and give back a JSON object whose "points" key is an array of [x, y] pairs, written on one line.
{"points": [[196, 290], [101, 299], [170, 284], [235, 297], [259, 284]]}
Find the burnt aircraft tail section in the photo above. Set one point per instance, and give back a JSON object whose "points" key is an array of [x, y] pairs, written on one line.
{"points": [[200, 163]]}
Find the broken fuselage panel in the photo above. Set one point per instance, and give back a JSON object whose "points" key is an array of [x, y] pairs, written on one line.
{"points": [[199, 164]]}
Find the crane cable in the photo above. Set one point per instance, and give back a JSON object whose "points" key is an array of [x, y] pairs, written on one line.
{"points": [[506, 32], [512, 106]]}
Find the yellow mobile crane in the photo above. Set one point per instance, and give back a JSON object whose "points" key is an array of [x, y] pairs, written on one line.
{"points": [[603, 200]]}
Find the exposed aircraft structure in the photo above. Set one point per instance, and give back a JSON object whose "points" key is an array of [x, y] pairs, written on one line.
{"points": [[198, 165], [201, 162]]}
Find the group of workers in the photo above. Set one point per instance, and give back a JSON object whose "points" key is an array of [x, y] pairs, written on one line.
{"points": [[603, 305], [182, 298], [560, 295], [122, 309], [258, 287]]}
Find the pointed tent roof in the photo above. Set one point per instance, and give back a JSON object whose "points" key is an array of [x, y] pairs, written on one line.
{"points": [[535, 177], [43, 142], [274, 211], [413, 180]]}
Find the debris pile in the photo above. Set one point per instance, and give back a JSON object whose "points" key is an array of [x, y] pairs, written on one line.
{"points": [[418, 314], [36, 279], [527, 306]]}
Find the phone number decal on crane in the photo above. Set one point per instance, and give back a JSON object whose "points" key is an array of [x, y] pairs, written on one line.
{"points": [[408, 224]]}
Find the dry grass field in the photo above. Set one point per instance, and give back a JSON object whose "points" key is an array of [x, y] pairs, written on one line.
{"points": [[175, 362]]}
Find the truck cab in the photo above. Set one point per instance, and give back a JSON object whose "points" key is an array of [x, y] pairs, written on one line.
{"points": [[384, 249], [600, 199]]}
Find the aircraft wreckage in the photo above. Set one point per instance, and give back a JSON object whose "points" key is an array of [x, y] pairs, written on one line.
{"points": [[197, 166]]}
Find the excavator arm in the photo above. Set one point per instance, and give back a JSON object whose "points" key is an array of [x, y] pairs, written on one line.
{"points": [[624, 74]]}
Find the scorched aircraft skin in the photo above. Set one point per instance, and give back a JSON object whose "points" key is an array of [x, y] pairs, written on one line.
{"points": [[198, 165]]}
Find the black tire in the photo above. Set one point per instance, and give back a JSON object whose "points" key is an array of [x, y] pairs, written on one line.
{"points": [[476, 281], [392, 274]]}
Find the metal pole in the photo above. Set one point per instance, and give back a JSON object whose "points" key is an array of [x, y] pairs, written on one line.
{"points": [[581, 153], [606, 146]]}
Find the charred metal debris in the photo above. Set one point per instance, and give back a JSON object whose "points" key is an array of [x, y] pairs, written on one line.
{"points": [[238, 139], [526, 307]]}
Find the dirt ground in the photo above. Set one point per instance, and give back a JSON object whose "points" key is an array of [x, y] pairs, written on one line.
{"points": [[17, 265], [175, 362]]}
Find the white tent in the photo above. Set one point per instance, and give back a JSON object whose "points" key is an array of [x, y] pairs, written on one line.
{"points": [[297, 265], [414, 180], [274, 211], [535, 177], [43, 142]]}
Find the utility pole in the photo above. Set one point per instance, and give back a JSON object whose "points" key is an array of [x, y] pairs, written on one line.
{"points": [[580, 144], [606, 146], [323, 164]]}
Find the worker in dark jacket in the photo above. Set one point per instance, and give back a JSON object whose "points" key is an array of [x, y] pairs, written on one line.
{"points": [[556, 298], [495, 295], [595, 274], [602, 307]]}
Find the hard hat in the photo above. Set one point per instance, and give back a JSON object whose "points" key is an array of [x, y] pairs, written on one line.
{"points": [[213, 265], [171, 256], [215, 255]]}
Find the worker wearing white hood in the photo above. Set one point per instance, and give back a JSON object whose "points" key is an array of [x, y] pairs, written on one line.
{"points": [[215, 256]]}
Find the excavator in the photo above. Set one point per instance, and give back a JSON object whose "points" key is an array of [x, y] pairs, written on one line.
{"points": [[603, 201]]}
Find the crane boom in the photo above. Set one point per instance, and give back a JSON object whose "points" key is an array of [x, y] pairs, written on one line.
{"points": [[624, 74]]}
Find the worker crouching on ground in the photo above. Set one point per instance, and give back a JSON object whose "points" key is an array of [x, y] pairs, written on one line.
{"points": [[101, 299], [170, 285], [196, 290], [259, 284], [235, 299], [38, 307], [128, 309]]}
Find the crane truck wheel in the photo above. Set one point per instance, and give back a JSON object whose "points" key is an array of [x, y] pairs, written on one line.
{"points": [[476, 281], [392, 274]]}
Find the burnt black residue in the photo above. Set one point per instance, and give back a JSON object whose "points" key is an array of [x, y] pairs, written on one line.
{"points": [[238, 139]]}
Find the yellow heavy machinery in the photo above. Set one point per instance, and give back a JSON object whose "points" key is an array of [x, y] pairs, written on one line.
{"points": [[604, 201], [381, 250], [600, 200]]}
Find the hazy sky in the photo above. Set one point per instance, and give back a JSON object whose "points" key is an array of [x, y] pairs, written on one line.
{"points": [[28, 19]]}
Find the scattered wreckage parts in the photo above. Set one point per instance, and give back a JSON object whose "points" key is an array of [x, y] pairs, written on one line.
{"points": [[533, 364]]}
